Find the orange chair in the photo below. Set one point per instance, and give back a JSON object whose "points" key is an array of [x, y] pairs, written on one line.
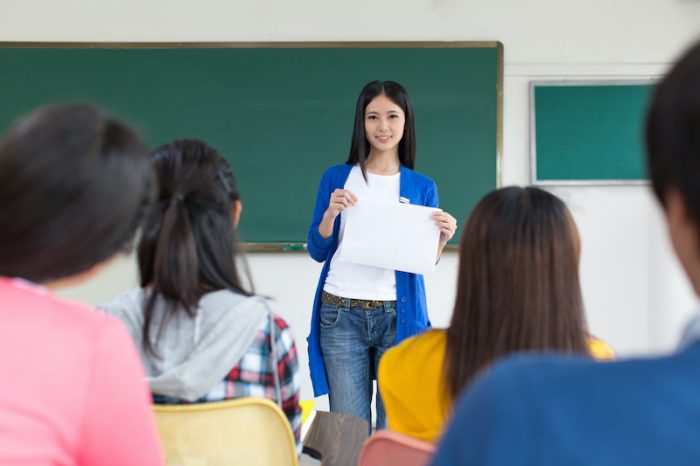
{"points": [[386, 448]]}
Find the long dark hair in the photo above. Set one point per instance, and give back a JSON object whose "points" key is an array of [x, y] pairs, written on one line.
{"points": [[359, 148], [74, 186], [518, 284], [189, 243]]}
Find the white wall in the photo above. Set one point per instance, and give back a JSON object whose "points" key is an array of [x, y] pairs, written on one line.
{"points": [[635, 294]]}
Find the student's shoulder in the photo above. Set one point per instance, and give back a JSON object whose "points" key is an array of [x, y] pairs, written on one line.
{"points": [[283, 333], [515, 388], [491, 424], [54, 321], [279, 322], [525, 401], [548, 381], [413, 352], [126, 305], [428, 341], [46, 309], [532, 369], [556, 367]]}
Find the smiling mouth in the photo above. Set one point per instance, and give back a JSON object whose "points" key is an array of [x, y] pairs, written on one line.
{"points": [[383, 138]]}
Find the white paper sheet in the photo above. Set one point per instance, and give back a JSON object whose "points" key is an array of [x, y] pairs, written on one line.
{"points": [[393, 236]]}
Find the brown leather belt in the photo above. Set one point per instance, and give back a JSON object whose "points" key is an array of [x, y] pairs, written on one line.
{"points": [[334, 300]]}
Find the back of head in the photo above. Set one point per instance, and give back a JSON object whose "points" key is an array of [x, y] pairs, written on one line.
{"points": [[74, 185], [518, 286], [189, 243], [673, 133]]}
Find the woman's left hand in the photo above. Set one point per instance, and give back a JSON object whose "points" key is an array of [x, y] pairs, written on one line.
{"points": [[447, 224]]}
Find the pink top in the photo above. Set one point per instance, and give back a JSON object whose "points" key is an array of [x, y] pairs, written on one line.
{"points": [[73, 391]]}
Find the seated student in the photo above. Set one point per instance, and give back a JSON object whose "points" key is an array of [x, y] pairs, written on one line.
{"points": [[544, 411], [517, 289], [201, 335], [73, 389]]}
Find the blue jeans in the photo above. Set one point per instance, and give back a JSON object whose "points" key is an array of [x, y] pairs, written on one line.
{"points": [[353, 339]]}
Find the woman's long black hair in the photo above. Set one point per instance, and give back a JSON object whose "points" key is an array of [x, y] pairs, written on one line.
{"points": [[359, 148], [189, 242]]}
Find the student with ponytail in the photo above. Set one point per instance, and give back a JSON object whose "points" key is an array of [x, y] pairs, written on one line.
{"points": [[201, 334]]}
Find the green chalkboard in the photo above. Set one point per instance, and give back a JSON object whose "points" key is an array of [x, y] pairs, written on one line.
{"points": [[588, 132], [281, 113]]}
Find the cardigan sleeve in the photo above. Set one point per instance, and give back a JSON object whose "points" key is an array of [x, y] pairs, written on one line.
{"points": [[431, 198], [317, 245]]}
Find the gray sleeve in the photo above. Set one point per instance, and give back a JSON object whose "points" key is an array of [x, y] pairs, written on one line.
{"points": [[128, 309]]}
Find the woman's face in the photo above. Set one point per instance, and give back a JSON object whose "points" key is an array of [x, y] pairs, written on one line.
{"points": [[384, 123]]}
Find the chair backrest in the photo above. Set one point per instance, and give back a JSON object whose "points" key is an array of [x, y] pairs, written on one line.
{"points": [[243, 431], [336, 438], [387, 448]]}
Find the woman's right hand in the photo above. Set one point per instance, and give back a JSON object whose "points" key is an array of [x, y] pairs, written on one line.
{"points": [[339, 201]]}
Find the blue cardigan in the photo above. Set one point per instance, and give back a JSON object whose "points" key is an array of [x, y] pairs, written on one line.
{"points": [[412, 313], [553, 411]]}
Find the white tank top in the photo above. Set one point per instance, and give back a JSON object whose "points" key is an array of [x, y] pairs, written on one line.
{"points": [[357, 281]]}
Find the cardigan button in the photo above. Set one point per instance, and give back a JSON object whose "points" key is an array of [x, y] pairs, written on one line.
{"points": [[403, 321], [403, 299]]}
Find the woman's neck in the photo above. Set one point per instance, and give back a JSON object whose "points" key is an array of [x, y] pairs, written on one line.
{"points": [[383, 163]]}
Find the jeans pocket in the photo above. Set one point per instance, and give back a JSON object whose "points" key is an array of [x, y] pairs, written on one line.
{"points": [[330, 315]]}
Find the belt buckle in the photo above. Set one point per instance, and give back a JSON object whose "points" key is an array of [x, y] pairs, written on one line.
{"points": [[371, 304]]}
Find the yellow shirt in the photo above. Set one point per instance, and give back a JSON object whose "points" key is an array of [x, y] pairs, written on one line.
{"points": [[411, 383], [600, 350]]}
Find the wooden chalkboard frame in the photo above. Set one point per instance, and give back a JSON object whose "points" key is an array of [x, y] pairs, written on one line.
{"points": [[533, 130], [274, 247]]}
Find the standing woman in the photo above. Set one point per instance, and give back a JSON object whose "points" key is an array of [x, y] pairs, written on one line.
{"points": [[361, 311]]}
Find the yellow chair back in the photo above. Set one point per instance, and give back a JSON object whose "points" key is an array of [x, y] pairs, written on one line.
{"points": [[242, 431]]}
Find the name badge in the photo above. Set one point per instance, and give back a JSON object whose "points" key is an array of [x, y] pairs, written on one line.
{"points": [[404, 200]]}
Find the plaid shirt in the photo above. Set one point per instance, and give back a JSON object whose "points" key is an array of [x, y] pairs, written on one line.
{"points": [[253, 375]]}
